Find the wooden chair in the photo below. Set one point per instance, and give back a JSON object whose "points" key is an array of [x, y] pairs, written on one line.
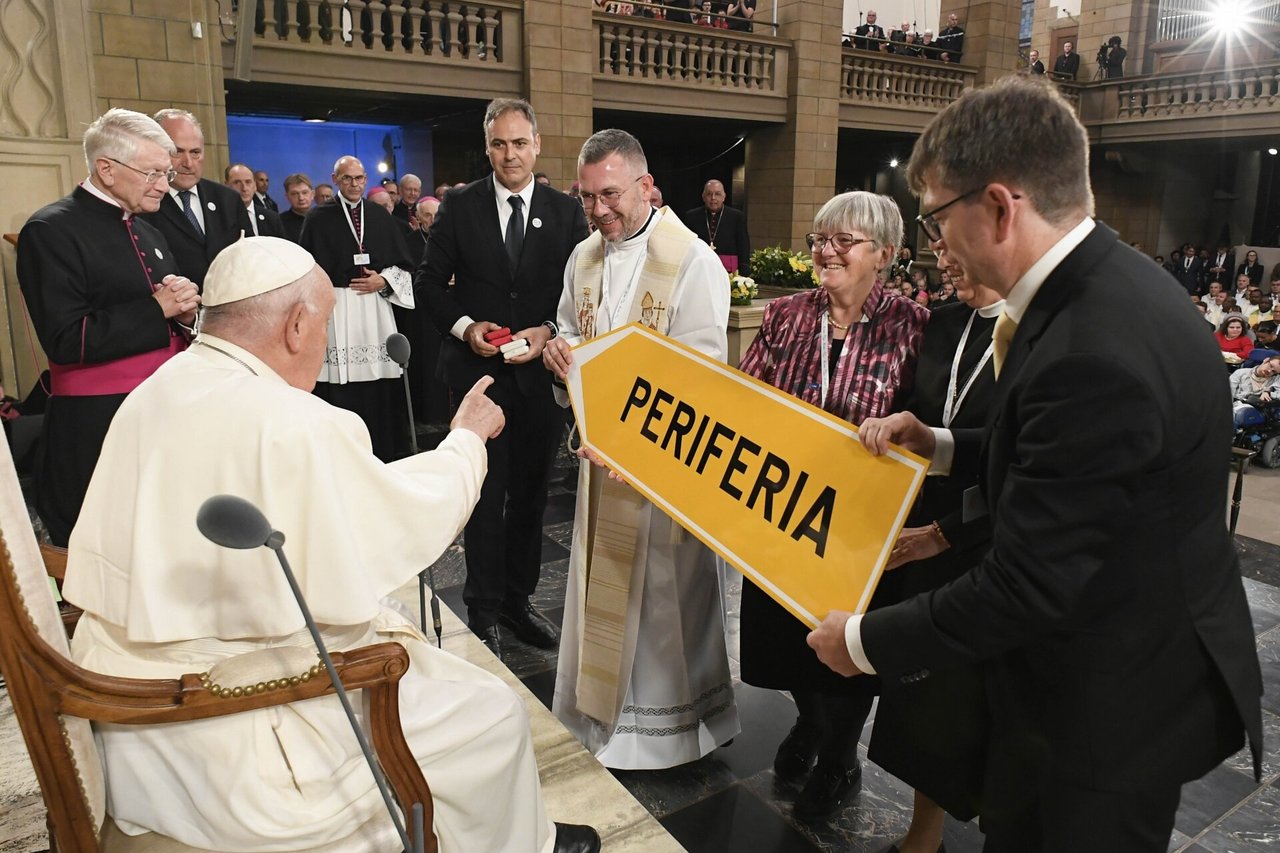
{"points": [[54, 700]]}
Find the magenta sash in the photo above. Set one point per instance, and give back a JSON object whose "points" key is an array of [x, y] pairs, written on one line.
{"points": [[119, 376], [730, 262]]}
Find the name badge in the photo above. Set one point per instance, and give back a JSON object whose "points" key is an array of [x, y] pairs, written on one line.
{"points": [[361, 259]]}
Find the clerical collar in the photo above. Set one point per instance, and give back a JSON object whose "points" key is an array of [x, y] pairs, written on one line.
{"points": [[992, 310], [351, 205], [653, 212], [92, 189]]}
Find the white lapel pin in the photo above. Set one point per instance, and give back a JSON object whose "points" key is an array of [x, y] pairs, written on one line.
{"points": [[535, 222], [159, 254], [211, 206]]}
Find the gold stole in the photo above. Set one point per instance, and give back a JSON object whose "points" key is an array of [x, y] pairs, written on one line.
{"points": [[615, 510]]}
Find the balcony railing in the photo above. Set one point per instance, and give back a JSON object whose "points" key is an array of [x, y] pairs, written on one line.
{"points": [[1239, 90], [633, 48], [661, 66], [915, 84], [292, 37]]}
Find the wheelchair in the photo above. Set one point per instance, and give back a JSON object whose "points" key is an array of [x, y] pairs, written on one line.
{"points": [[1260, 432]]}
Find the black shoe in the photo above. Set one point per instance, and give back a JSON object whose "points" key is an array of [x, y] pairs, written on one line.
{"points": [[575, 838], [827, 790], [795, 754], [491, 637], [530, 626]]}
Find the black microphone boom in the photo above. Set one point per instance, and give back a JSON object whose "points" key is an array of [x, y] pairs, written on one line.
{"points": [[399, 350], [234, 522]]}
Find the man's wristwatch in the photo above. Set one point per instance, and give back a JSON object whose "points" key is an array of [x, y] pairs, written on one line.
{"points": [[555, 332]]}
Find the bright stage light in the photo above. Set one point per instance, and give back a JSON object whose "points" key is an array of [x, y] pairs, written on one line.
{"points": [[382, 167], [893, 164], [1271, 151]]}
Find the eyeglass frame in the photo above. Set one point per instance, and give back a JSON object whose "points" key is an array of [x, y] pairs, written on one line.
{"points": [[149, 176], [813, 237], [350, 180], [588, 200], [932, 228]]}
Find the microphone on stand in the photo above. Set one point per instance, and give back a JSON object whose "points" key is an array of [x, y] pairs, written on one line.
{"points": [[399, 350], [234, 522]]}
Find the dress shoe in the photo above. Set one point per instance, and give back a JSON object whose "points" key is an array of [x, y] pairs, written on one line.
{"points": [[827, 790], [795, 754], [576, 838], [491, 637], [530, 626]]}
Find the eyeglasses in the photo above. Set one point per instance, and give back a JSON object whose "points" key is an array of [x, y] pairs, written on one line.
{"points": [[840, 242], [348, 180], [152, 176], [609, 198], [928, 221]]}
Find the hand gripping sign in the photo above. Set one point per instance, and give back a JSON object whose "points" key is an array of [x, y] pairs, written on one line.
{"points": [[779, 488]]}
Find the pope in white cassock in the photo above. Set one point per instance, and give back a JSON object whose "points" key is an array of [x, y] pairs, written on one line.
{"points": [[645, 685], [234, 415]]}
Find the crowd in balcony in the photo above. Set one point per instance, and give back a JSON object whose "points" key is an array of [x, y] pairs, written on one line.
{"points": [[907, 41], [737, 15]]}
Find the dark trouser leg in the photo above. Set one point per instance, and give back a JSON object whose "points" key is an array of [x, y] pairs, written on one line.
{"points": [[838, 721], [530, 474]]}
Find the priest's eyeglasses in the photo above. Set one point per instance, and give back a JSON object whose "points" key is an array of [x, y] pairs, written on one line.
{"points": [[347, 180], [841, 243], [609, 198], [928, 221], [152, 176]]}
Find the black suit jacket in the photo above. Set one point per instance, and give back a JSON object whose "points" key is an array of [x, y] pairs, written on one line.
{"points": [[1110, 609], [269, 224], [1037, 67], [225, 219], [1067, 66], [1189, 276], [466, 245], [731, 233]]}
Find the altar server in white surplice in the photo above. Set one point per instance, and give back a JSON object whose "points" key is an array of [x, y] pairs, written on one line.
{"points": [[657, 693], [234, 415]]}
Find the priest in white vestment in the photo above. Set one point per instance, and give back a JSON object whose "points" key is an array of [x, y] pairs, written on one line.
{"points": [[659, 693], [234, 415]]}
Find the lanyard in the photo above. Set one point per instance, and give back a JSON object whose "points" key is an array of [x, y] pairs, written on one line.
{"points": [[824, 356], [346, 212], [624, 302], [956, 398]]}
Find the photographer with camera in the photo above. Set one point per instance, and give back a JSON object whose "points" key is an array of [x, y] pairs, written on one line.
{"points": [[1111, 59]]}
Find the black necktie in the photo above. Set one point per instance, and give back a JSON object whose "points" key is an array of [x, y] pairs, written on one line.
{"points": [[515, 232], [185, 195]]}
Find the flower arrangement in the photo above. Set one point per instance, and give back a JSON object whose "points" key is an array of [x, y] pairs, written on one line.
{"points": [[742, 289], [780, 267]]}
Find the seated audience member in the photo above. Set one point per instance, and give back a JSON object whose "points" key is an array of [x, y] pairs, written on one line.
{"points": [[928, 48], [1261, 385], [161, 601], [1218, 308], [1202, 308], [1266, 335], [1232, 338], [1211, 298], [1262, 310]]}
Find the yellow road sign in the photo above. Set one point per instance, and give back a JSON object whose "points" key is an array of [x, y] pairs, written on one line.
{"points": [[779, 488]]}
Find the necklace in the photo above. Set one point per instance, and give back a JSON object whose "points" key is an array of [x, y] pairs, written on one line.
{"points": [[239, 361], [844, 327], [711, 234]]}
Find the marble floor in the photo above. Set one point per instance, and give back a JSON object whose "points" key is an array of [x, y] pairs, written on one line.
{"points": [[729, 800]]}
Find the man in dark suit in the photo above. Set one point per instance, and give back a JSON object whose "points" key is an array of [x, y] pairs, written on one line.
{"points": [[1034, 65], [1109, 614], [198, 218], [297, 191], [722, 227], [869, 36], [265, 222], [1067, 65], [1190, 271], [262, 181], [504, 240]]}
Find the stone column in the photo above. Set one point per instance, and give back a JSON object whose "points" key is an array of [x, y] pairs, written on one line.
{"points": [[791, 169], [558, 60], [990, 36]]}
